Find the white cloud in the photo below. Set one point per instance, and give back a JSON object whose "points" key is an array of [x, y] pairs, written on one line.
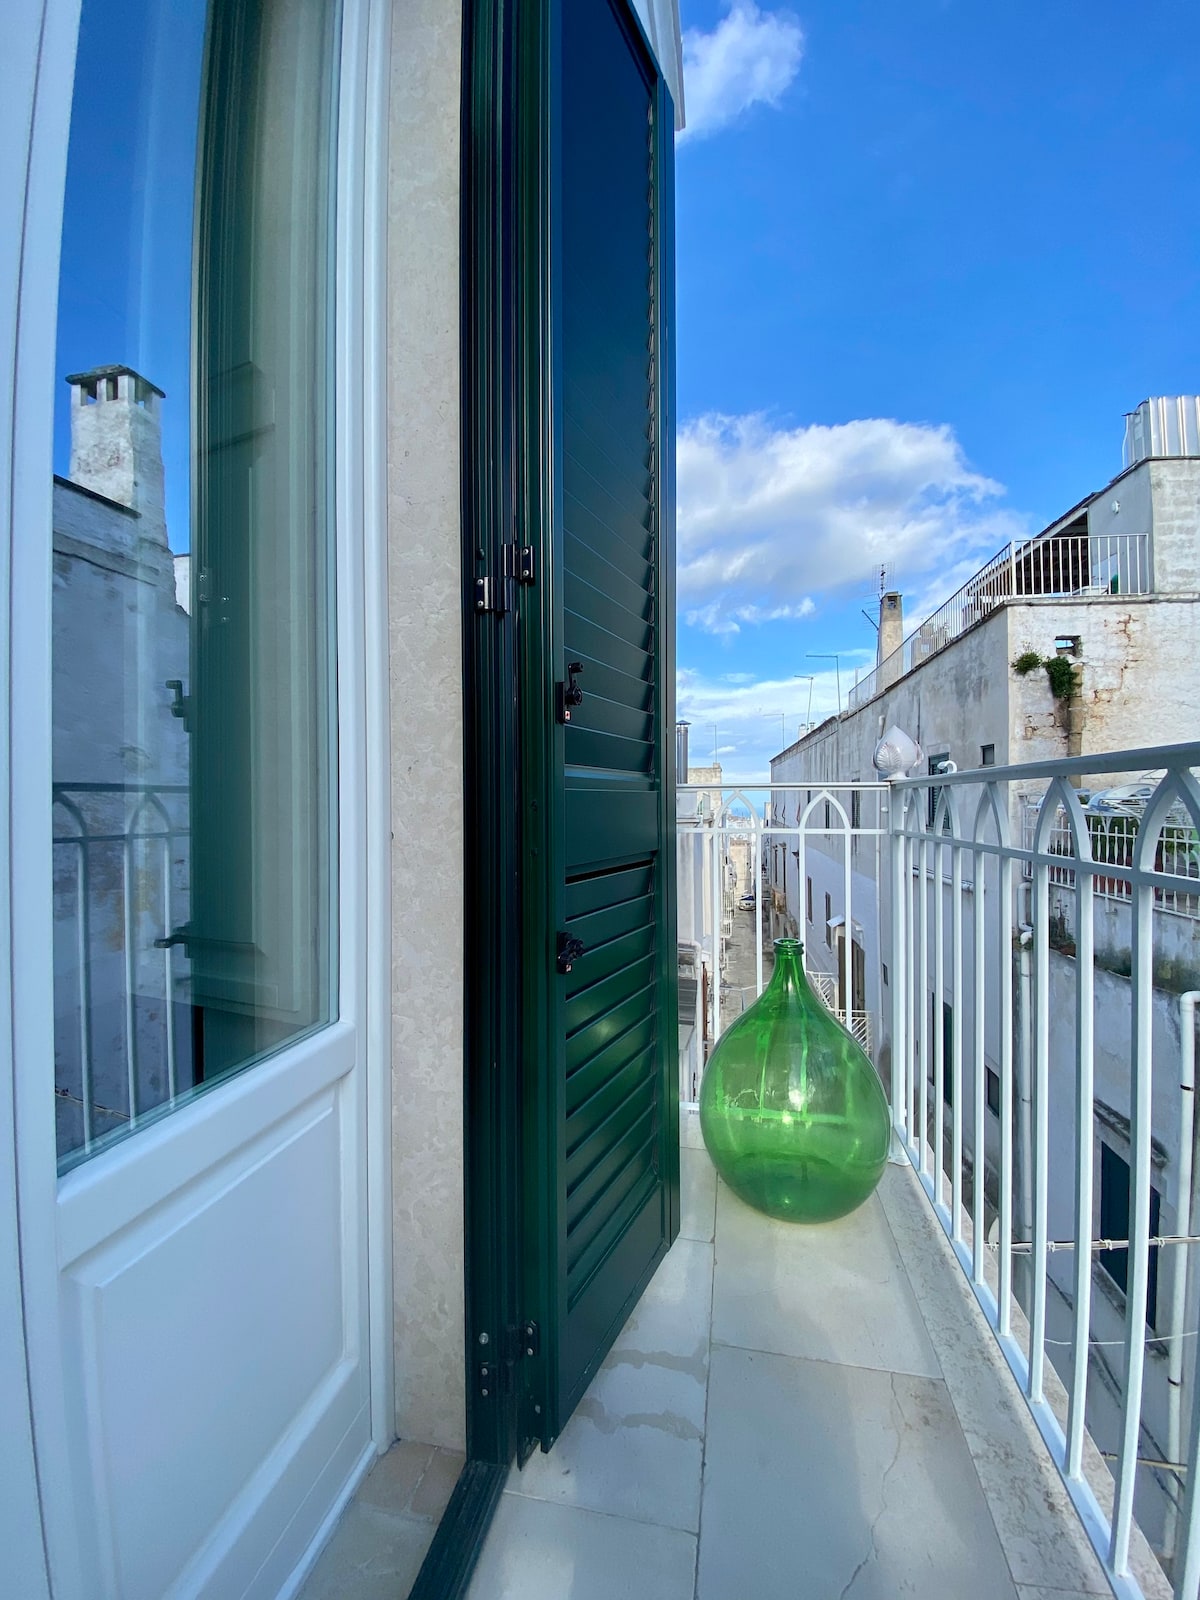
{"points": [[717, 618], [750, 721], [750, 57], [769, 517]]}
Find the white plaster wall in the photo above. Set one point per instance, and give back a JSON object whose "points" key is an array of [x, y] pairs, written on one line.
{"points": [[1130, 493], [1140, 678], [1162, 499], [424, 589], [956, 701], [1140, 682], [1175, 534], [115, 621]]}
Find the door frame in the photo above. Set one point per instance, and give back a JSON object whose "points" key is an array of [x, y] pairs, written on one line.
{"points": [[46, 1207]]}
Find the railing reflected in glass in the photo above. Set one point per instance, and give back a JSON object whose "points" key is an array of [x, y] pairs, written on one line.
{"points": [[194, 798]]}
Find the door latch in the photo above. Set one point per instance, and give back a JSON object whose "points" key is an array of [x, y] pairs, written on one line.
{"points": [[569, 952], [569, 693], [181, 704]]}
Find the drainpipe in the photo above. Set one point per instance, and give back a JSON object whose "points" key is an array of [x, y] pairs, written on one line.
{"points": [[1074, 710], [695, 950], [1023, 1058], [1186, 1223]]}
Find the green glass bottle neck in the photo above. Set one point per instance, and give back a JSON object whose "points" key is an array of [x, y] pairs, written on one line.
{"points": [[789, 965]]}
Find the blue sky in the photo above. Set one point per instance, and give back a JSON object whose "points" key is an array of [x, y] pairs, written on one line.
{"points": [[127, 217], [928, 256]]}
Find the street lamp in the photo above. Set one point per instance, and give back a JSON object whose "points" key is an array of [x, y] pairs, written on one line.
{"points": [[830, 655], [800, 677]]}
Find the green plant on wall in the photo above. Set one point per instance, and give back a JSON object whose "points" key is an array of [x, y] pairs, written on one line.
{"points": [[1060, 674]]}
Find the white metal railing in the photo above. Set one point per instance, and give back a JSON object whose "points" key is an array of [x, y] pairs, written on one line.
{"points": [[1113, 836], [780, 859], [1025, 1081], [120, 887], [1063, 564], [858, 1023]]}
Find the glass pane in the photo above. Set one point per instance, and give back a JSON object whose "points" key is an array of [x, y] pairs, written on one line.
{"points": [[194, 751]]}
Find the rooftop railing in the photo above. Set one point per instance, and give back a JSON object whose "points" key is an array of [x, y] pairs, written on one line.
{"points": [[1067, 564], [121, 884]]}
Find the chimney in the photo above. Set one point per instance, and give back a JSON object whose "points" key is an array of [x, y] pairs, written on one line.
{"points": [[681, 751], [891, 625], [116, 442]]}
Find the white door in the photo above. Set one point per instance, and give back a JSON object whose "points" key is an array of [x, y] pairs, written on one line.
{"points": [[188, 798]]}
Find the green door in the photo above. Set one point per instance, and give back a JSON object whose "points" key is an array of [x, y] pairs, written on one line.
{"points": [[571, 1026], [602, 1168]]}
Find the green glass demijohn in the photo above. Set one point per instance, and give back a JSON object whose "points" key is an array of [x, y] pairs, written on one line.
{"points": [[792, 1111]]}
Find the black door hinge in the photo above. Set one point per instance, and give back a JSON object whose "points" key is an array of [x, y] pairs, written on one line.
{"points": [[491, 594], [496, 593]]}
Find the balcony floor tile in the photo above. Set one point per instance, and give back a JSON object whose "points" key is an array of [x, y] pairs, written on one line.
{"points": [[1042, 1535], [1024, 1592], [777, 1390], [635, 1444], [832, 1293], [539, 1551], [373, 1555], [839, 1481], [698, 1195]]}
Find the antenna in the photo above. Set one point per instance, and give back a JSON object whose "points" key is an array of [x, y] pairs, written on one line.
{"points": [[884, 576]]}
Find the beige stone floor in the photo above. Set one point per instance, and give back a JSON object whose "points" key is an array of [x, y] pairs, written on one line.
{"points": [[378, 1546], [790, 1412]]}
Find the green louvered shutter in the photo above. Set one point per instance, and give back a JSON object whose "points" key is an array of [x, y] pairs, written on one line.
{"points": [[608, 1170]]}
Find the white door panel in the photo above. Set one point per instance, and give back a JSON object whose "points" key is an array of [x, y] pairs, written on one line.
{"points": [[206, 1337], [197, 1299], [118, 1187]]}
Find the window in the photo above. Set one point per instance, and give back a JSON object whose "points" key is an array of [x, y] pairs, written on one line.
{"points": [[947, 1048], [828, 815], [828, 920], [883, 966], [856, 808], [993, 1091], [938, 763], [194, 781], [1068, 644], [808, 899], [987, 755], [1114, 1224]]}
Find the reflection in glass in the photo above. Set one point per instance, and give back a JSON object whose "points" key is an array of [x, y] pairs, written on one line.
{"points": [[193, 740]]}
